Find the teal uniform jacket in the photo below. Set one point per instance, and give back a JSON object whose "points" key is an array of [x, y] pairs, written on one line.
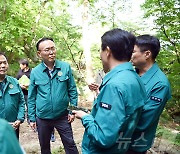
{"points": [[158, 93], [8, 140], [49, 97], [12, 103], [115, 112]]}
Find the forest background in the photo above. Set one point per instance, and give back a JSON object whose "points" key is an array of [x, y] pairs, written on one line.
{"points": [[77, 25]]}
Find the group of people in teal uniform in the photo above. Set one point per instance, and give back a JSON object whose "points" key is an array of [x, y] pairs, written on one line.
{"points": [[124, 115], [126, 111]]}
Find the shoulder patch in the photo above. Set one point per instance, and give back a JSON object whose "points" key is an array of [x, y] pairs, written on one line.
{"points": [[156, 99], [105, 105]]}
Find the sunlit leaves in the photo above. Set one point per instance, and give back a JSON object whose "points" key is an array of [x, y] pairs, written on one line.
{"points": [[23, 22]]}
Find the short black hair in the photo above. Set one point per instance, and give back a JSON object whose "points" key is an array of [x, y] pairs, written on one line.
{"points": [[41, 40], [24, 62], [120, 42], [3, 54], [148, 42]]}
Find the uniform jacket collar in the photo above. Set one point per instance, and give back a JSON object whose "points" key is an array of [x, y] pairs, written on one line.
{"points": [[7, 79], [56, 65], [150, 73], [7, 82], [119, 68]]}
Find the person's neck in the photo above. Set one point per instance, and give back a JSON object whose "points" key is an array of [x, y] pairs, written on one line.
{"points": [[145, 68], [2, 78], [115, 63], [50, 65]]}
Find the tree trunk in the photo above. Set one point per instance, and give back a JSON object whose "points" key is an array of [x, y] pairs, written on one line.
{"points": [[86, 50]]}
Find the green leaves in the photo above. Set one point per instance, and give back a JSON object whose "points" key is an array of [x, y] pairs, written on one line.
{"points": [[23, 22], [166, 14], [15, 26]]}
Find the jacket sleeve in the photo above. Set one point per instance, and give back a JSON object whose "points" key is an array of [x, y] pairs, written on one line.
{"points": [[72, 90], [21, 110], [32, 92], [154, 106], [103, 128]]}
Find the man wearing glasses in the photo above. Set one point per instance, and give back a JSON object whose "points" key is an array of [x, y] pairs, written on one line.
{"points": [[51, 89]]}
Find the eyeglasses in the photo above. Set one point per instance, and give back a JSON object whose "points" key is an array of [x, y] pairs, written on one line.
{"points": [[47, 50]]}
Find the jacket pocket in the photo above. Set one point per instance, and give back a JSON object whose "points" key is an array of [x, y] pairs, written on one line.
{"points": [[63, 78], [43, 86], [14, 96], [14, 91], [41, 82]]}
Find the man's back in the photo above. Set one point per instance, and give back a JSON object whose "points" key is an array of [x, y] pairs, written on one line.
{"points": [[122, 96]]}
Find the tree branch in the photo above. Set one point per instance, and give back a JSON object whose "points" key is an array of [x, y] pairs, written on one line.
{"points": [[166, 35], [69, 47]]}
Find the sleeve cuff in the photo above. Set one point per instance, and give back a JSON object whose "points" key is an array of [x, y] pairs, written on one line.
{"points": [[86, 120]]}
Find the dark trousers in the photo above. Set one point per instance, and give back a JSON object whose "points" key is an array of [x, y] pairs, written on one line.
{"points": [[45, 128], [26, 106], [135, 152]]}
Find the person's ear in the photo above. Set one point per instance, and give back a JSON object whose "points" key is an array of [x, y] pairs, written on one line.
{"points": [[39, 54], [148, 54], [108, 51]]}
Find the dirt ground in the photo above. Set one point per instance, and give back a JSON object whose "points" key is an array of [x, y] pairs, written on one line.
{"points": [[30, 143]]}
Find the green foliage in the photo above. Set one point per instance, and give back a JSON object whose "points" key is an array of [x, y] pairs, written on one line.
{"points": [[167, 134], [58, 150], [23, 23], [165, 117], [168, 63], [166, 14], [95, 51], [91, 2], [14, 71], [58, 26], [107, 18], [110, 14], [16, 27]]}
